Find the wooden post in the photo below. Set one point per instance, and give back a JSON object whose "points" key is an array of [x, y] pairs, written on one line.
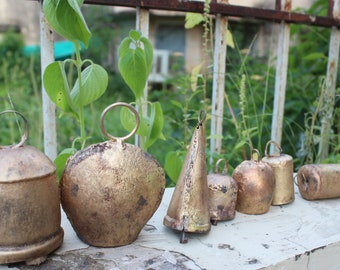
{"points": [[48, 107], [142, 24], [328, 97], [220, 51], [280, 77]]}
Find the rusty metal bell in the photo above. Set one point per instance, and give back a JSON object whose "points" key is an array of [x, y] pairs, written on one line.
{"points": [[256, 183], [283, 168], [222, 194], [188, 210], [319, 181], [30, 215], [110, 190]]}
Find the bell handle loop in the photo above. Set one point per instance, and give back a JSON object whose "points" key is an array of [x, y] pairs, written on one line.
{"points": [[254, 153], [108, 108], [201, 117], [295, 181], [25, 135], [275, 154], [225, 168]]}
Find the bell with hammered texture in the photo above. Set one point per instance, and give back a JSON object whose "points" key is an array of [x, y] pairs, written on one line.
{"points": [[188, 209], [282, 166], [222, 194]]}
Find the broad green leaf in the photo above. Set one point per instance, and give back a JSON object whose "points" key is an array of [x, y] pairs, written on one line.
{"points": [[148, 50], [56, 86], [61, 160], [128, 121], [94, 84], [132, 66], [66, 18], [230, 40], [124, 47], [192, 19], [156, 122], [173, 165]]}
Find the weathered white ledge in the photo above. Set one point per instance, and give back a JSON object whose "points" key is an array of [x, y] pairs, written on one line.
{"points": [[300, 235]]}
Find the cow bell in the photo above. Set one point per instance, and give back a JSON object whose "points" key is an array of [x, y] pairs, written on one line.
{"points": [[319, 181], [188, 210], [111, 189], [256, 183], [222, 194], [29, 203], [283, 168]]}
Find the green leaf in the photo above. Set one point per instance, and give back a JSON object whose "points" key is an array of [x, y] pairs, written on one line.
{"points": [[61, 160], [66, 18], [128, 121], [230, 40], [135, 35], [194, 76], [173, 164], [156, 122], [135, 61], [148, 50], [56, 86], [315, 56], [133, 68], [94, 84], [192, 19]]}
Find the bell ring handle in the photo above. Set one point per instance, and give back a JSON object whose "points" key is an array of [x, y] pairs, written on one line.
{"points": [[119, 104], [225, 168], [24, 136], [255, 152], [277, 146]]}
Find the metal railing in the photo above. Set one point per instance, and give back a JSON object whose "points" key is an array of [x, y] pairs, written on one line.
{"points": [[282, 14]]}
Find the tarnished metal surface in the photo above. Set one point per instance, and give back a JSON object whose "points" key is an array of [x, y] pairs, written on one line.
{"points": [[256, 182], [319, 181], [110, 190], [222, 195], [30, 215], [188, 210], [283, 168]]}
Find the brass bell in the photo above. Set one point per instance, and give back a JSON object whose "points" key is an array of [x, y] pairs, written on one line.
{"points": [[30, 215], [222, 194], [188, 210], [256, 183], [110, 190], [319, 181], [283, 168]]}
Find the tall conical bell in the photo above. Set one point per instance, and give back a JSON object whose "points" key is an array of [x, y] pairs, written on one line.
{"points": [[189, 209]]}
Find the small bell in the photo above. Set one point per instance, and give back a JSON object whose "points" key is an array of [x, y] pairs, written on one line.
{"points": [[188, 209], [256, 182], [222, 194], [283, 168]]}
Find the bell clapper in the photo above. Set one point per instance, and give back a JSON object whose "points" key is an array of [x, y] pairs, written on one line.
{"points": [[184, 238], [214, 222]]}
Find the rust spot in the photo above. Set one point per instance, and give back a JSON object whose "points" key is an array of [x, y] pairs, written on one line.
{"points": [[141, 202], [288, 5], [331, 66], [74, 189]]}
